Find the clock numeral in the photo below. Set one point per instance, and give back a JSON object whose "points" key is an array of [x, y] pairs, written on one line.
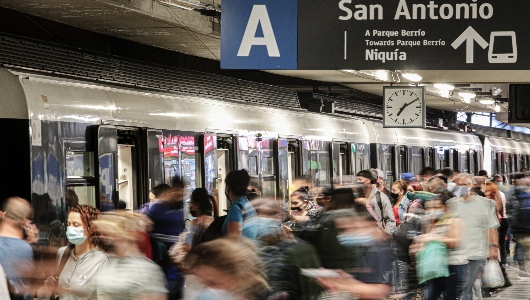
{"points": [[411, 93], [411, 120], [389, 107], [417, 114], [403, 92], [403, 121], [418, 106]]}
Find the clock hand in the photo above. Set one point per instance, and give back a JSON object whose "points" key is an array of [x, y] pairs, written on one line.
{"points": [[405, 106]]}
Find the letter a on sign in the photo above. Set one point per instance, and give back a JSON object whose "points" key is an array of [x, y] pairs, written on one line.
{"points": [[259, 15], [259, 34]]}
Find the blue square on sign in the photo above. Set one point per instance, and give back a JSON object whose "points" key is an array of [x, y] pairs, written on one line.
{"points": [[259, 34]]}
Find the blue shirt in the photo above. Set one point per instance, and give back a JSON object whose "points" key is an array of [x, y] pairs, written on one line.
{"points": [[16, 258], [248, 223], [168, 225]]}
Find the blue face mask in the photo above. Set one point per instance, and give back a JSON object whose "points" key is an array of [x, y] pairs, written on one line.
{"points": [[462, 191], [75, 235], [356, 239], [267, 226]]}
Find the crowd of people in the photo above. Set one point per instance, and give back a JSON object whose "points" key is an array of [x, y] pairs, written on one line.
{"points": [[423, 236]]}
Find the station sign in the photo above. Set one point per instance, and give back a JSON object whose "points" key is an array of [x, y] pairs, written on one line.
{"points": [[376, 34]]}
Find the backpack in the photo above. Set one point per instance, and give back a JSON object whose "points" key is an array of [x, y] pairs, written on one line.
{"points": [[214, 231], [384, 217]]}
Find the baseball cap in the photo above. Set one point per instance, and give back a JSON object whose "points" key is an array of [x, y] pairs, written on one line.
{"points": [[408, 177], [380, 173]]}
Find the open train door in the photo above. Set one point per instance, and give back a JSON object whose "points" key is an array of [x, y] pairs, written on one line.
{"points": [[107, 167], [283, 172], [155, 158]]}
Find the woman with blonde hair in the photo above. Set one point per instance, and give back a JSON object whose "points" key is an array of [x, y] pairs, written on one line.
{"points": [[231, 269], [128, 274]]}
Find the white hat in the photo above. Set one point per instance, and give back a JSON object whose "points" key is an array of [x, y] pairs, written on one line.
{"points": [[380, 173]]}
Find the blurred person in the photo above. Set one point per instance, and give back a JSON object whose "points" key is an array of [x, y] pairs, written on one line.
{"points": [[483, 173], [491, 191], [377, 203], [436, 184], [304, 182], [237, 222], [230, 268], [519, 219], [16, 255], [302, 208], [371, 280], [71, 198], [155, 194], [4, 290], [77, 279], [408, 177], [480, 234], [426, 174], [498, 180], [449, 174], [128, 274], [168, 219], [444, 226], [201, 208], [403, 204], [479, 182], [381, 182], [415, 187]]}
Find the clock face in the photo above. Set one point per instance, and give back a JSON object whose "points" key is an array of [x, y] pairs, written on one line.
{"points": [[404, 107]]}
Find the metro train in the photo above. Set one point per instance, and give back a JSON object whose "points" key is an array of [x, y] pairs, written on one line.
{"points": [[109, 143]]}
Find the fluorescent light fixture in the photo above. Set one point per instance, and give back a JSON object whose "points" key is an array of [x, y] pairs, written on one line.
{"points": [[348, 71], [412, 77], [177, 5], [468, 95], [467, 100], [487, 101], [98, 107], [444, 87], [176, 115], [382, 75]]}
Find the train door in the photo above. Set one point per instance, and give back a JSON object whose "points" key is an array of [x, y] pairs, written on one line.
{"points": [[223, 155], [464, 161], [439, 158], [341, 157], [429, 157], [509, 164], [494, 163], [401, 161], [106, 148], [257, 153], [473, 162], [453, 159], [415, 159], [210, 177], [283, 170], [155, 158], [80, 174], [362, 157]]}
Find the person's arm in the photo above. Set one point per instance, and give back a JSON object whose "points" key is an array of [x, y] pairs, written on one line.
{"points": [[151, 297], [235, 222], [234, 230], [388, 214], [493, 242], [453, 237], [355, 287]]}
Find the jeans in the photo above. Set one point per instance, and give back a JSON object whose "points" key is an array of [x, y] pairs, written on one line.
{"points": [[434, 288], [475, 267], [455, 283], [176, 289], [503, 230]]}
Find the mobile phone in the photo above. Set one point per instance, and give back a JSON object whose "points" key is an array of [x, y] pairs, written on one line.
{"points": [[319, 273]]}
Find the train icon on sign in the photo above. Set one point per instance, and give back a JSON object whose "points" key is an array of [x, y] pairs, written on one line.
{"points": [[503, 47]]}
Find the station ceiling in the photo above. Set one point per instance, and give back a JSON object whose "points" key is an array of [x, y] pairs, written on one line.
{"points": [[180, 27]]}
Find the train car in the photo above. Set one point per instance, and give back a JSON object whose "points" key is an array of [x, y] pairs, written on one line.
{"points": [[108, 142]]}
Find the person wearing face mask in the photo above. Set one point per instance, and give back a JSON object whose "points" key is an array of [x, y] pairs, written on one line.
{"points": [[444, 226], [78, 277], [358, 229], [377, 202], [403, 204], [481, 236]]}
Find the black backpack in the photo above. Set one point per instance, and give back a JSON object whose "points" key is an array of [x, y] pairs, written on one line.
{"points": [[214, 231]]}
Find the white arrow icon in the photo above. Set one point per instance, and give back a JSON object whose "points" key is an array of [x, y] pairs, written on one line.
{"points": [[468, 36]]}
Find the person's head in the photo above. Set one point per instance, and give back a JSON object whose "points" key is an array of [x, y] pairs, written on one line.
{"points": [[230, 265], [448, 173], [490, 190], [426, 173], [465, 183], [497, 179], [16, 212], [118, 232], [399, 188], [299, 199], [516, 176], [366, 177], [176, 195], [237, 182], [409, 177], [357, 227], [79, 224], [435, 183], [415, 187], [253, 193], [159, 192], [201, 203], [341, 198], [323, 197], [436, 207], [483, 173], [71, 198], [523, 171], [380, 176]]}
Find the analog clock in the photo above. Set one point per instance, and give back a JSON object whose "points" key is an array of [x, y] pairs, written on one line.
{"points": [[404, 106]]}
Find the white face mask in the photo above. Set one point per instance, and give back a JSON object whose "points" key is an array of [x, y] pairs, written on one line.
{"points": [[462, 191]]}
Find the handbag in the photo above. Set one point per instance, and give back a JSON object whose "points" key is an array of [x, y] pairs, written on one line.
{"points": [[64, 259], [431, 262]]}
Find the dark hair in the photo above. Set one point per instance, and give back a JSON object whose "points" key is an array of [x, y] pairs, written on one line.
{"points": [[253, 193], [429, 171], [122, 204], [483, 173], [448, 172], [237, 181], [367, 174], [441, 177], [177, 182], [443, 197], [341, 198], [205, 201], [515, 176], [159, 189]]}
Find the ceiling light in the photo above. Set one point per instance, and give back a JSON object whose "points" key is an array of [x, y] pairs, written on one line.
{"points": [[496, 91], [487, 101], [412, 77], [348, 71], [497, 108], [381, 75], [467, 95], [467, 100], [444, 87]]}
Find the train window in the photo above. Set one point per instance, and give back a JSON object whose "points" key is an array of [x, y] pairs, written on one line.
{"points": [[464, 162], [415, 159], [80, 180], [362, 157], [473, 162], [402, 160], [428, 157]]}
